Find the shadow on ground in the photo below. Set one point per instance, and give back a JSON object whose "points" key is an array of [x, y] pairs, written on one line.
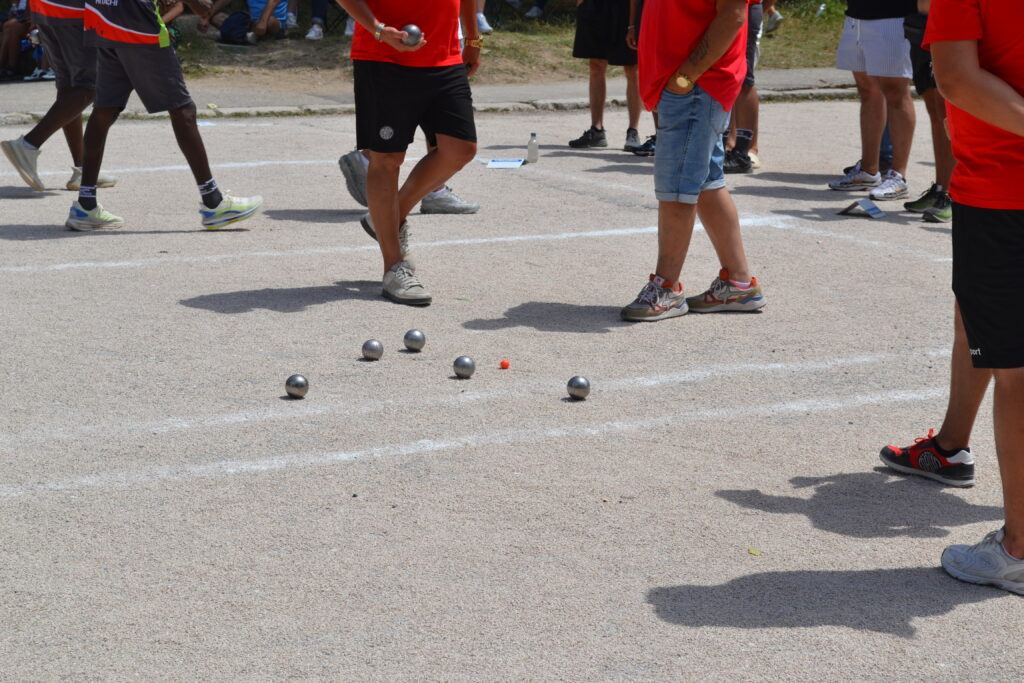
{"points": [[57, 231], [285, 300], [14, 192], [879, 600], [547, 316], [315, 215], [871, 505]]}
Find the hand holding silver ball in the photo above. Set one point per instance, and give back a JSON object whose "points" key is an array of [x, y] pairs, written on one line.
{"points": [[413, 35]]}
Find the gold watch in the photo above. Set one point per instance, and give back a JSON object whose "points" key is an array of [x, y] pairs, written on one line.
{"points": [[682, 82], [477, 42]]}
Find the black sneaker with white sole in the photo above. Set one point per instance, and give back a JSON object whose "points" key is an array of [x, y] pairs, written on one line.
{"points": [[591, 138], [926, 459]]}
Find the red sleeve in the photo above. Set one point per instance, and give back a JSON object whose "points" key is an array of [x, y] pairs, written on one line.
{"points": [[953, 20]]}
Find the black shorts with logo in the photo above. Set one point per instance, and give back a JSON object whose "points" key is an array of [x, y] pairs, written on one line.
{"points": [[988, 260], [154, 73], [601, 27], [393, 100], [71, 59]]}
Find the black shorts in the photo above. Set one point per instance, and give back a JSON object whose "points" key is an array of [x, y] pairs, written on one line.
{"points": [[755, 19], [988, 258], [393, 100], [72, 61], [601, 27], [924, 77], [152, 72]]}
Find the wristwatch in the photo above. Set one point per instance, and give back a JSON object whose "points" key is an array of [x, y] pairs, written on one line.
{"points": [[682, 82], [378, 29], [477, 42]]}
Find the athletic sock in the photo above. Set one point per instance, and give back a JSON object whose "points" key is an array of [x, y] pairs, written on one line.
{"points": [[440, 192], [365, 159], [744, 137], [87, 197], [211, 194], [738, 284]]}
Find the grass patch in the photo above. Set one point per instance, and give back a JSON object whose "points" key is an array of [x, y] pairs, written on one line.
{"points": [[518, 51]]}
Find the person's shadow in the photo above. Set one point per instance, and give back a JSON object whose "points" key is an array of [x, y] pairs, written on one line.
{"points": [[879, 600], [549, 316], [315, 215], [284, 300], [871, 505]]}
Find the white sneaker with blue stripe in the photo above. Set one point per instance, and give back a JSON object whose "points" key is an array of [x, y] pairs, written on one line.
{"points": [[97, 219], [230, 210]]}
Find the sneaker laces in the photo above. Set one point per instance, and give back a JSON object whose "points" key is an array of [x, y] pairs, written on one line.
{"points": [[917, 442], [649, 294], [719, 286], [405, 276], [891, 181]]}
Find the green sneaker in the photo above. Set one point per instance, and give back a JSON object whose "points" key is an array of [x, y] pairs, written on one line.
{"points": [[722, 296], [97, 219], [942, 212], [925, 201], [230, 210]]}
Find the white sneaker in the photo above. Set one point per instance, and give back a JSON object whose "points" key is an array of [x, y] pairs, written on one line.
{"points": [[251, 38], [856, 179], [893, 186], [36, 75], [24, 157], [316, 32], [49, 75], [446, 201], [772, 21], [97, 219], [230, 210], [481, 23], [402, 286], [293, 21], [986, 563], [534, 13], [75, 183], [350, 27]]}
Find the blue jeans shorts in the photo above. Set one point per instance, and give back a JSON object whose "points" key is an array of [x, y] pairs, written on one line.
{"points": [[690, 149]]}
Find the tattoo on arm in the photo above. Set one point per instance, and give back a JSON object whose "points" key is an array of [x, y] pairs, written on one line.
{"points": [[700, 51]]}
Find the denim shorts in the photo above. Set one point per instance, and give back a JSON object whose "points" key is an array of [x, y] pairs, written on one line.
{"points": [[690, 150]]}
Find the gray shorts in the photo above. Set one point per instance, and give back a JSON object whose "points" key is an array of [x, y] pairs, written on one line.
{"points": [[72, 61], [152, 72]]}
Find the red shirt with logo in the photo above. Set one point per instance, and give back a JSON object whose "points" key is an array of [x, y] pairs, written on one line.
{"points": [[669, 31], [438, 19], [990, 161]]}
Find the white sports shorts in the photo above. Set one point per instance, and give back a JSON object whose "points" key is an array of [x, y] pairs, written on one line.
{"points": [[876, 47]]}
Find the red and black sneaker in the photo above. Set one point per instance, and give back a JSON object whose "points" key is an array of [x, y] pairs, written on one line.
{"points": [[926, 459]]}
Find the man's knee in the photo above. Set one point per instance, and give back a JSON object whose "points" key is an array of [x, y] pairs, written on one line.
{"points": [[598, 66], [1011, 379], [186, 114], [386, 162], [895, 89], [458, 152]]}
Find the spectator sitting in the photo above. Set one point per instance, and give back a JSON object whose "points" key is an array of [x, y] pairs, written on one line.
{"points": [[169, 11], [265, 19], [15, 26]]}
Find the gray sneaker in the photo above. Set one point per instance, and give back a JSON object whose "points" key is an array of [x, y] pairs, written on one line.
{"points": [[447, 201], [986, 564], [24, 158], [632, 140], [354, 170], [656, 302], [402, 286], [403, 235]]}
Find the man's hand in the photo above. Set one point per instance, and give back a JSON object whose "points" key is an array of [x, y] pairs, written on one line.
{"points": [[393, 37], [471, 58], [631, 38], [673, 88]]}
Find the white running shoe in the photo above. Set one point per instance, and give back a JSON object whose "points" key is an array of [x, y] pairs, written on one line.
{"points": [[353, 166], [230, 210], [632, 141], [535, 13], [446, 201], [316, 32], [75, 182], [893, 186], [97, 219], [402, 286], [856, 179], [24, 157], [986, 563], [481, 23], [772, 21]]}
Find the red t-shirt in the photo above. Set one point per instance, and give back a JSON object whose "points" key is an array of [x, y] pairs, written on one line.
{"points": [[990, 161], [438, 19], [669, 31]]}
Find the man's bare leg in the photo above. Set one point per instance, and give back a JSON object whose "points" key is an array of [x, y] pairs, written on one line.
{"points": [[433, 171], [941, 146], [967, 386], [1008, 412], [721, 221], [633, 103], [675, 230], [872, 120], [382, 200], [598, 92], [902, 119]]}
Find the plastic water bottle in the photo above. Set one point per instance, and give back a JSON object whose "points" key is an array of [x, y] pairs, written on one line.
{"points": [[532, 150]]}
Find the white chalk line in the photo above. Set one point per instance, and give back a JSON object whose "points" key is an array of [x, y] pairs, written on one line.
{"points": [[126, 429], [226, 468]]}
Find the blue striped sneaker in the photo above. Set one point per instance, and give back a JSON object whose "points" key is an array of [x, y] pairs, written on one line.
{"points": [[230, 210], [98, 219], [722, 296]]}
